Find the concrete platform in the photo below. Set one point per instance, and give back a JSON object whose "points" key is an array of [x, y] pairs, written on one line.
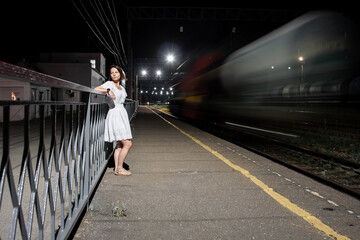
{"points": [[181, 190]]}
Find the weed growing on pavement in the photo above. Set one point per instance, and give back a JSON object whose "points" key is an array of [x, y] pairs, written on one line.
{"points": [[117, 210]]}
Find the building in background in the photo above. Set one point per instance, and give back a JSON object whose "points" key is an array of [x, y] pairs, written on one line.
{"points": [[87, 69]]}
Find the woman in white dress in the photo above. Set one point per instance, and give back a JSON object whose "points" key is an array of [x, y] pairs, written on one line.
{"points": [[117, 126]]}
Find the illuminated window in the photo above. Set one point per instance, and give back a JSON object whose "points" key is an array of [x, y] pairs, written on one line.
{"points": [[93, 63]]}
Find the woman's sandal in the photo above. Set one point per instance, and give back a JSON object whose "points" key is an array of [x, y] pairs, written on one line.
{"points": [[122, 172]]}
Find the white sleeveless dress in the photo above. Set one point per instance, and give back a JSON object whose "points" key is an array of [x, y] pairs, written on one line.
{"points": [[117, 125]]}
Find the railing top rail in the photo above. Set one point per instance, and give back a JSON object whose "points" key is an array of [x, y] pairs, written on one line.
{"points": [[26, 75]]}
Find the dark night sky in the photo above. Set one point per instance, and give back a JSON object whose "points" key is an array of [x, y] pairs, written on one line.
{"points": [[31, 27], [40, 26]]}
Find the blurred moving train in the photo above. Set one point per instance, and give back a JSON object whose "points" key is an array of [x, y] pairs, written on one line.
{"points": [[305, 71]]}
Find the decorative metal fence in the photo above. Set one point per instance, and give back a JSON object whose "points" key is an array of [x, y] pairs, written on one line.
{"points": [[50, 165]]}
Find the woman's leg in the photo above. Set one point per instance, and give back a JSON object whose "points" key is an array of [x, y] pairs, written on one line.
{"points": [[121, 155], [121, 151], [118, 148]]}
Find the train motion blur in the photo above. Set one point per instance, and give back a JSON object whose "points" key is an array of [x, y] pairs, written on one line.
{"points": [[304, 72]]}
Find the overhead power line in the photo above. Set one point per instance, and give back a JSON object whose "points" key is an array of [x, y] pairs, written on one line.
{"points": [[100, 17]]}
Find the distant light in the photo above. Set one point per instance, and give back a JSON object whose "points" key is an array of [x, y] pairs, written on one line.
{"points": [[272, 67], [143, 72], [289, 68], [158, 73], [93, 63], [170, 58], [171, 89], [301, 58]]}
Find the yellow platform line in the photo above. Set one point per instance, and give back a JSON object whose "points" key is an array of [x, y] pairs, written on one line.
{"points": [[314, 221]]}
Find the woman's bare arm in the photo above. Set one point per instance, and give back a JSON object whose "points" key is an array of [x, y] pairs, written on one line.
{"points": [[103, 90]]}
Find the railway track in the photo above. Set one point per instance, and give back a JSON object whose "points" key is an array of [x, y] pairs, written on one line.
{"points": [[336, 172]]}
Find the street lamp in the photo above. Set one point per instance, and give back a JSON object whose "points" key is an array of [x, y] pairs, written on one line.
{"points": [[301, 60], [170, 58], [158, 73]]}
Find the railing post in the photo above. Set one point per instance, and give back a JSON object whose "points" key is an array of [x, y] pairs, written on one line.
{"points": [[6, 147], [86, 155]]}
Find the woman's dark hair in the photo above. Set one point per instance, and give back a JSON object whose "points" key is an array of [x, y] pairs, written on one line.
{"points": [[121, 71]]}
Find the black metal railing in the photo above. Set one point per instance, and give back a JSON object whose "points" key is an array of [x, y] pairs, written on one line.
{"points": [[51, 160]]}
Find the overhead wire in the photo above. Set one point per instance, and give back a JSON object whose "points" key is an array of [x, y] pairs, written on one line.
{"points": [[99, 13], [117, 27], [98, 33], [116, 23], [104, 27], [102, 42], [113, 28], [104, 20]]}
